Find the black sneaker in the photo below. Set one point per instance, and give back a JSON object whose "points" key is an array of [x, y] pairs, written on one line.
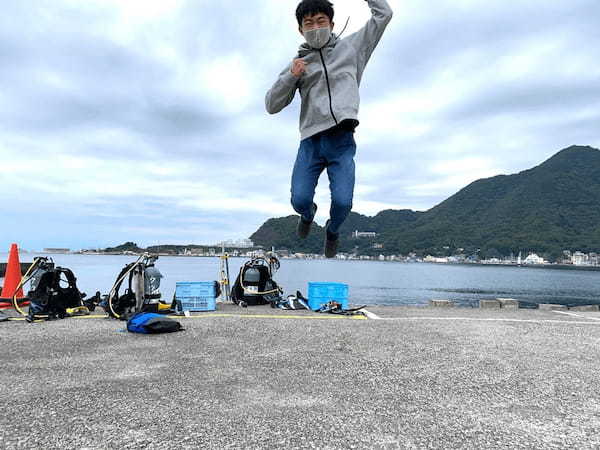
{"points": [[303, 228], [331, 242]]}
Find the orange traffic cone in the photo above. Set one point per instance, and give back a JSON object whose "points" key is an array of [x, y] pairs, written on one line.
{"points": [[12, 278]]}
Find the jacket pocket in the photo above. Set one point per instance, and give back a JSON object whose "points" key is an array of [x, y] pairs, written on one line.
{"points": [[345, 92], [315, 106]]}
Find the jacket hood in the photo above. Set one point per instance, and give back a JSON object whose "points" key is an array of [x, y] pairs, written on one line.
{"points": [[305, 49]]}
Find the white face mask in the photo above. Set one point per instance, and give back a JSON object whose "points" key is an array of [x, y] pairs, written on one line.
{"points": [[317, 37]]}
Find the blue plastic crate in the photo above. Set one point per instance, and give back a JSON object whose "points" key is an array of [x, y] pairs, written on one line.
{"points": [[195, 296], [322, 293]]}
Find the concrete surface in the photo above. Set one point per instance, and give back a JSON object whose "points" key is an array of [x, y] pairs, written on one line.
{"points": [[259, 378], [489, 304], [585, 308], [508, 303], [441, 303], [552, 307], [24, 268]]}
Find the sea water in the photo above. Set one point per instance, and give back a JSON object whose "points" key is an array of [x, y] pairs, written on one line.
{"points": [[370, 282]]}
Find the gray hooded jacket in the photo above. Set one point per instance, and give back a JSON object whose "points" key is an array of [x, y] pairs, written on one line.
{"points": [[329, 87]]}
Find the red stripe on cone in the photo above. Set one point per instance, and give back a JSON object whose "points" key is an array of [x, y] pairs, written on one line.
{"points": [[8, 304]]}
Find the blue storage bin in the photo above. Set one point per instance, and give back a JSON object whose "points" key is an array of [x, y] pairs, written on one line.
{"points": [[195, 296], [322, 293]]}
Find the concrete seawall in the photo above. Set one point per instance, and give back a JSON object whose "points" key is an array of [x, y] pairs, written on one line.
{"points": [[24, 267], [263, 378]]}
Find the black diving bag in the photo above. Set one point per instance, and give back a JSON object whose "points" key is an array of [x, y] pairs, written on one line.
{"points": [[54, 290]]}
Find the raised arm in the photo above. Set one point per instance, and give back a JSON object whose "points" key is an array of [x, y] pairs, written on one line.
{"points": [[366, 39], [283, 91]]}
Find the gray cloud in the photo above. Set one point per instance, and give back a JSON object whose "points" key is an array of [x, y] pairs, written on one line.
{"points": [[80, 83], [525, 98], [418, 48]]}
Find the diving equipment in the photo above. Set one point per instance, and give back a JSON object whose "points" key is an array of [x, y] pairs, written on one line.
{"points": [[255, 285], [142, 292], [53, 292]]}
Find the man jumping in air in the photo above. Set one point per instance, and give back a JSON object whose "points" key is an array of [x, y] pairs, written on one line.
{"points": [[327, 72]]}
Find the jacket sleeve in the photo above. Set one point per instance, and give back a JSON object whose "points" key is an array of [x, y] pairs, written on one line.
{"points": [[366, 39], [283, 91]]}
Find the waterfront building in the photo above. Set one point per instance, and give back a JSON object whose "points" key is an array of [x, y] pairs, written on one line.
{"points": [[256, 253], [434, 259], [492, 261], [240, 243], [534, 259], [364, 234], [580, 259]]}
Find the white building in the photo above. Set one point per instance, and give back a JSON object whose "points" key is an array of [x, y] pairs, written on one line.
{"points": [[579, 259], [534, 259], [241, 243], [366, 234], [434, 259]]}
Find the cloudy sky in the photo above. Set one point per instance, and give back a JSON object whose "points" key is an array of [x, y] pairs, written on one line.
{"points": [[144, 120]]}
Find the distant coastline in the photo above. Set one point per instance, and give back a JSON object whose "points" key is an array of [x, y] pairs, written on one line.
{"points": [[528, 266], [25, 264]]}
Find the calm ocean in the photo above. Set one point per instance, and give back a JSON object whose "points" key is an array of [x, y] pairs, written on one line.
{"points": [[382, 283]]}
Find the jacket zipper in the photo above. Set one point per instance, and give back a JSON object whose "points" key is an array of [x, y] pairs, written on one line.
{"points": [[328, 87]]}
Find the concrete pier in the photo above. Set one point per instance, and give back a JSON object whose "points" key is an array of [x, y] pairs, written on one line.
{"points": [[489, 304], [508, 303], [441, 303], [262, 378], [588, 308], [552, 307], [24, 268]]}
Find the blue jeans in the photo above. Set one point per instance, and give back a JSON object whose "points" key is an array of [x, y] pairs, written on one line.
{"points": [[335, 152]]}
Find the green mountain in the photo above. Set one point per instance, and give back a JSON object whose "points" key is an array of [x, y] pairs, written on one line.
{"points": [[281, 232], [547, 209], [126, 247]]}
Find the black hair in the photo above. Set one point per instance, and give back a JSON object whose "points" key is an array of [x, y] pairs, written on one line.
{"points": [[312, 7]]}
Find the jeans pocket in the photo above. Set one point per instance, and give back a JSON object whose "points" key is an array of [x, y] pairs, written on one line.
{"points": [[344, 141]]}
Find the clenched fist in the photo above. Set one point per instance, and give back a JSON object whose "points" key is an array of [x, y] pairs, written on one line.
{"points": [[298, 67]]}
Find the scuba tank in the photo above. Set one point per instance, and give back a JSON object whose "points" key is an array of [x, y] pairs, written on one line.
{"points": [[53, 292], [142, 292], [254, 284]]}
